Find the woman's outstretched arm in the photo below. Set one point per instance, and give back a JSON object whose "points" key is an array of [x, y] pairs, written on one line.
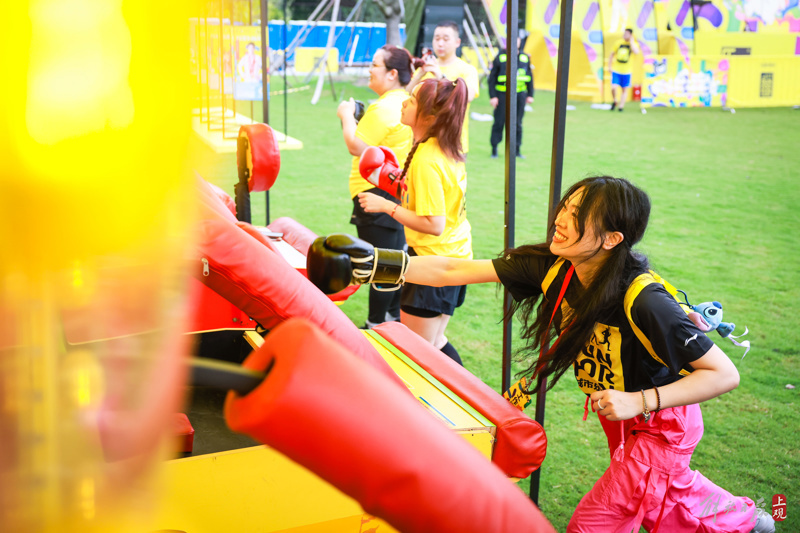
{"points": [[436, 271]]}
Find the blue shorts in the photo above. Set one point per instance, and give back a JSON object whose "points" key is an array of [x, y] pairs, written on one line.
{"points": [[623, 80]]}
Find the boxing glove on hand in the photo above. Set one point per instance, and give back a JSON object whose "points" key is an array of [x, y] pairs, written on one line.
{"points": [[338, 260], [378, 165]]}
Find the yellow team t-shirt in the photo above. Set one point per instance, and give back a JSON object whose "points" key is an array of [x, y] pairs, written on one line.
{"points": [[461, 69], [437, 186], [623, 57], [381, 126]]}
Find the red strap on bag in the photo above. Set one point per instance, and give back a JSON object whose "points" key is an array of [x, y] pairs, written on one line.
{"points": [[542, 355]]}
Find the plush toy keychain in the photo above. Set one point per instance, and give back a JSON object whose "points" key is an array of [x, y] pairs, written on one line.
{"points": [[710, 316]]}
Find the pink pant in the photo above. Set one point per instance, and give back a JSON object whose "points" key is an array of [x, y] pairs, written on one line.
{"points": [[649, 482]]}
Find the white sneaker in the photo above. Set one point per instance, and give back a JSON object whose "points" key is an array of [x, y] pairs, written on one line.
{"points": [[764, 523]]}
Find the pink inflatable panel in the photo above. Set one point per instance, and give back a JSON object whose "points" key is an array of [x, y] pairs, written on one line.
{"points": [[300, 237]]}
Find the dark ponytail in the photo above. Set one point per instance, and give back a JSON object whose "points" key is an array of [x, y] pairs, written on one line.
{"points": [[608, 205]]}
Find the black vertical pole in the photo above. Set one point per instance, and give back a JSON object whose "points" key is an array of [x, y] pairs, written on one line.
{"points": [[265, 74], [285, 68], [556, 166], [249, 23], [512, 30]]}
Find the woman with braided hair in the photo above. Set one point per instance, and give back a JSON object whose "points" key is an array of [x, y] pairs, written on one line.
{"points": [[433, 205]]}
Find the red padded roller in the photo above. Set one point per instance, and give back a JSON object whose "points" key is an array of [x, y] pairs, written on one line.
{"points": [[328, 411], [263, 285], [263, 158], [521, 442]]}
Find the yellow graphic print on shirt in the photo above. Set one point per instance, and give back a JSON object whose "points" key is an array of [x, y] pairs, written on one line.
{"points": [[599, 366]]}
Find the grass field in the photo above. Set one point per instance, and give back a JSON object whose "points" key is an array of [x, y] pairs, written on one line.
{"points": [[725, 224]]}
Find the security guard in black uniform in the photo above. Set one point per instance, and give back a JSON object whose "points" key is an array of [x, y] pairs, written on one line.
{"points": [[497, 95]]}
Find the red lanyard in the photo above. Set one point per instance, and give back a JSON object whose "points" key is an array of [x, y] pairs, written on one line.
{"points": [[542, 355]]}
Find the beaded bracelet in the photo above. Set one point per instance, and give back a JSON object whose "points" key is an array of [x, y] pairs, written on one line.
{"points": [[658, 397]]}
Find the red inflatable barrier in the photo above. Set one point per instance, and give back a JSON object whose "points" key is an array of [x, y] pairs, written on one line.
{"points": [[263, 285], [300, 237], [211, 200], [343, 420], [224, 197], [262, 156], [521, 443]]}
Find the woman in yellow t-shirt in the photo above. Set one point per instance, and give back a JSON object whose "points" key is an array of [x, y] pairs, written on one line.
{"points": [[433, 207], [380, 126]]}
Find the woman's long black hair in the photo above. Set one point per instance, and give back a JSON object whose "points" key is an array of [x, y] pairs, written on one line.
{"points": [[607, 205]]}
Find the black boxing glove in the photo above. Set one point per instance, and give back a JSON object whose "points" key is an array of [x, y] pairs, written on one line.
{"points": [[338, 260]]}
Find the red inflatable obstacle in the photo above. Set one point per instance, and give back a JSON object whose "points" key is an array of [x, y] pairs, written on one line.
{"points": [[257, 280], [398, 462], [265, 293], [285, 237], [521, 443]]}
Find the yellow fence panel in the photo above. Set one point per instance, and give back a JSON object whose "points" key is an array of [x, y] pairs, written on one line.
{"points": [[306, 58], [764, 81]]}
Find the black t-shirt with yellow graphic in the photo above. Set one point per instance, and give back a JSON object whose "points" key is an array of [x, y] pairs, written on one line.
{"points": [[653, 347]]}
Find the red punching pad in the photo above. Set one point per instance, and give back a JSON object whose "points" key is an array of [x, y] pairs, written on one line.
{"points": [[262, 156], [521, 443], [329, 412], [264, 286]]}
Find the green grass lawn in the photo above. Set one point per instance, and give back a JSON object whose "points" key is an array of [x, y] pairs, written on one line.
{"points": [[724, 226]]}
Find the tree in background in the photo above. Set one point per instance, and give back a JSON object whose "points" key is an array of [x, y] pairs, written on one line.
{"points": [[393, 12]]}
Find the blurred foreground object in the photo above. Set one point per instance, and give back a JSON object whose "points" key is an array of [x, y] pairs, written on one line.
{"points": [[94, 118]]}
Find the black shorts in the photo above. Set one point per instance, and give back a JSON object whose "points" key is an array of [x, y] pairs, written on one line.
{"points": [[428, 302]]}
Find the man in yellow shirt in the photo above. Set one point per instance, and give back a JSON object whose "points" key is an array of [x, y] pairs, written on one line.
{"points": [[621, 66], [446, 64]]}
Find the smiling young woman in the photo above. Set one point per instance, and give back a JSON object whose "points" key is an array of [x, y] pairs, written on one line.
{"points": [[640, 361]]}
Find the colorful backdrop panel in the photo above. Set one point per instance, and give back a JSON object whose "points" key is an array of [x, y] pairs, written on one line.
{"points": [[681, 21], [587, 25], [671, 81], [643, 22]]}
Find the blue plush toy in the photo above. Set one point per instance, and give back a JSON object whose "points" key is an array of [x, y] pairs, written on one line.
{"points": [[711, 319]]}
